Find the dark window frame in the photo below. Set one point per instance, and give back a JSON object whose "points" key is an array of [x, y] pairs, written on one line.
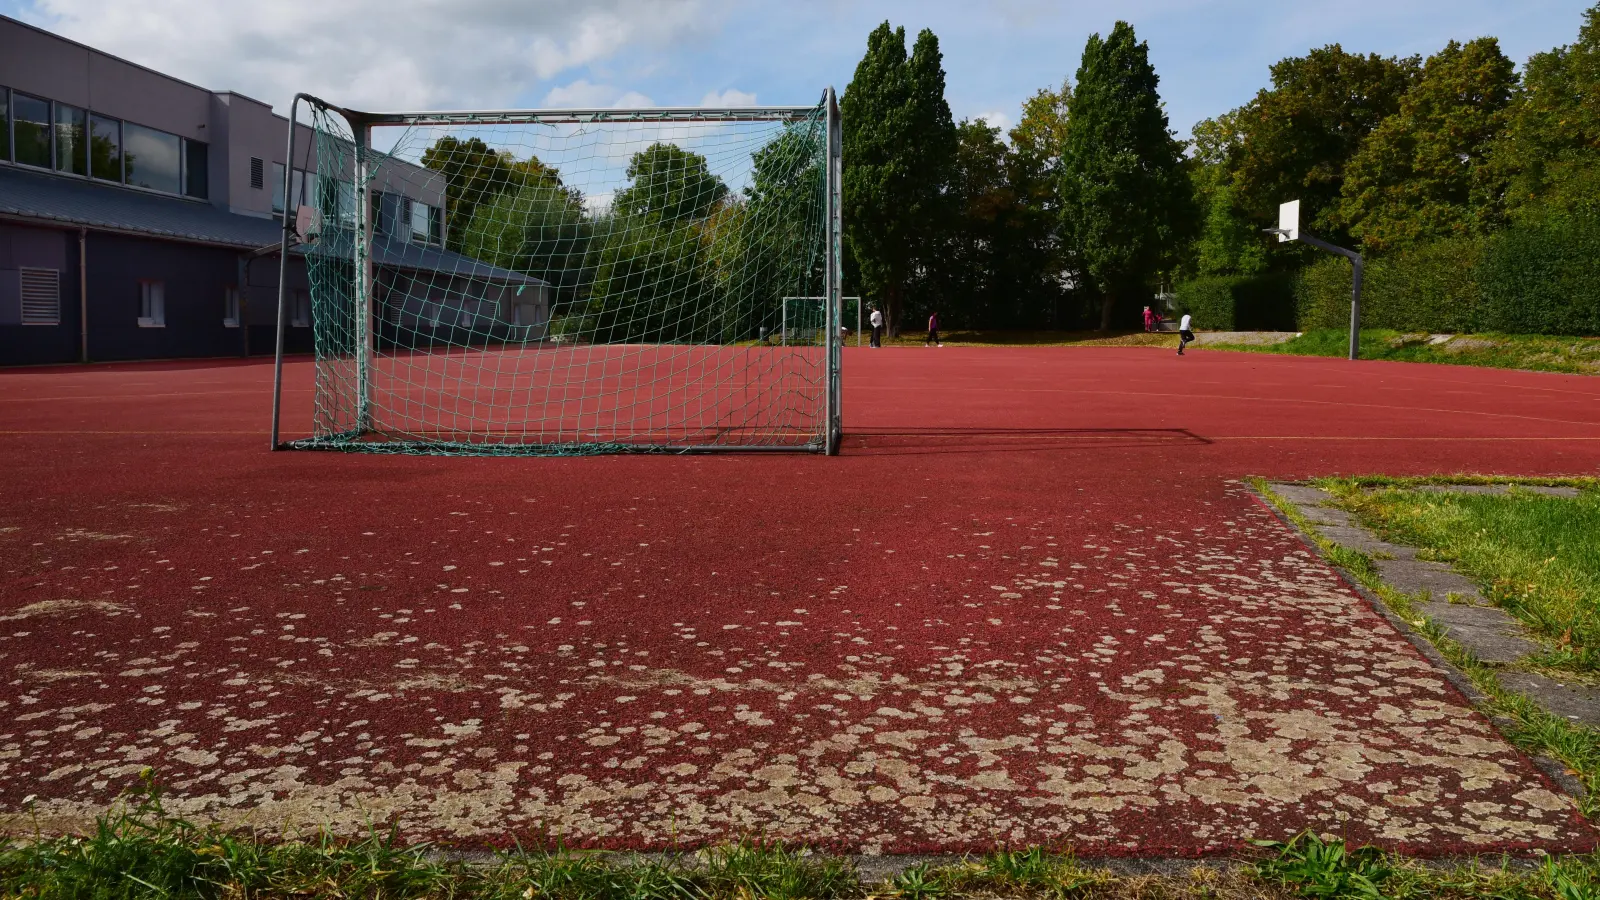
{"points": [[5, 124], [82, 150], [49, 131], [122, 168], [192, 189]]}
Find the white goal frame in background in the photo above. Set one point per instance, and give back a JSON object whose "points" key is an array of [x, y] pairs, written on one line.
{"points": [[365, 309], [784, 332]]}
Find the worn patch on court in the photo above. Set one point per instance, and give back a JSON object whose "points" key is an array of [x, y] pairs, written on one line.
{"points": [[1125, 689]]}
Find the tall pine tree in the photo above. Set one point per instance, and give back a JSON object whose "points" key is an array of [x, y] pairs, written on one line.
{"points": [[1126, 201], [899, 142]]}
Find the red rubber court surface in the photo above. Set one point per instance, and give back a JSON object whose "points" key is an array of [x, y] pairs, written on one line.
{"points": [[1032, 603]]}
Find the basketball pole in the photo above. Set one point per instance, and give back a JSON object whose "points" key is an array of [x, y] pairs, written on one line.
{"points": [[1355, 287]]}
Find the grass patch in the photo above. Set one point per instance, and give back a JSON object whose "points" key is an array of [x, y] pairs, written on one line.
{"points": [[1536, 556], [138, 851], [1540, 353], [1524, 723]]}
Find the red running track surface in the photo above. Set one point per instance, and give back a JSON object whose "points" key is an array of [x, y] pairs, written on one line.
{"points": [[1032, 603]]}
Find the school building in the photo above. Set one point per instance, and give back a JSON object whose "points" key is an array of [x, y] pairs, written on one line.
{"points": [[138, 213]]}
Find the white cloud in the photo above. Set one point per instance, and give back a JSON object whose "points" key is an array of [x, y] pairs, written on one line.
{"points": [[998, 120], [582, 94], [729, 98], [375, 54]]}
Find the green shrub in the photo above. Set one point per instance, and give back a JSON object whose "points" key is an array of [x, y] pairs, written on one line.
{"points": [[1432, 287], [1239, 302], [1543, 277]]}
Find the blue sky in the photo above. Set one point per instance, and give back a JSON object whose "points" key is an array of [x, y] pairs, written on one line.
{"points": [[1212, 56]]}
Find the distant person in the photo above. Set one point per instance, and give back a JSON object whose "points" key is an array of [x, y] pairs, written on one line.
{"points": [[877, 327], [1149, 319], [1184, 334], [933, 331], [765, 338]]}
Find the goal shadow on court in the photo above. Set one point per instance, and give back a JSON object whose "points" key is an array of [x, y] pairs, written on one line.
{"points": [[914, 441]]}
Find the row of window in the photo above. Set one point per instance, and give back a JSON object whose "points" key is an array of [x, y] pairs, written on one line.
{"points": [[41, 305], [48, 134], [153, 306]]}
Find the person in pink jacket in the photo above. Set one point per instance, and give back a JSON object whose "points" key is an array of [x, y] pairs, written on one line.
{"points": [[933, 331]]}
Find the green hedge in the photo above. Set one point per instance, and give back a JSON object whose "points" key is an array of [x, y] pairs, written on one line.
{"points": [[1239, 302], [1432, 288], [1536, 277], [1543, 278]]}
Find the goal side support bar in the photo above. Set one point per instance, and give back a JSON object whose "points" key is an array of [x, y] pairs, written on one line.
{"points": [[834, 433]]}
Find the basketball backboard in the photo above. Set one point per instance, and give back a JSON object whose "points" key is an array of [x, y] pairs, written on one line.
{"points": [[1289, 221]]}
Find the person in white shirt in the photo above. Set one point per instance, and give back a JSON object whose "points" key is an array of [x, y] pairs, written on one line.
{"points": [[877, 327], [1184, 334]]}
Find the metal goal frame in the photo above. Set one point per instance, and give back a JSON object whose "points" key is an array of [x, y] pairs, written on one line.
{"points": [[362, 123]]}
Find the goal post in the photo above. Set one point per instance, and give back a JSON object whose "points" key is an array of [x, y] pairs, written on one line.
{"points": [[524, 282]]}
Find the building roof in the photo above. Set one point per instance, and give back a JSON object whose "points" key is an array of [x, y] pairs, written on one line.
{"points": [[76, 202]]}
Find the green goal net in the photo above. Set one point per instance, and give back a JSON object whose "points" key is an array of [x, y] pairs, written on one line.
{"points": [[568, 281]]}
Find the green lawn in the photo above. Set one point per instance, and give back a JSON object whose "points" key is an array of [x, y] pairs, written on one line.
{"points": [[139, 851], [964, 337], [1541, 353], [1536, 556]]}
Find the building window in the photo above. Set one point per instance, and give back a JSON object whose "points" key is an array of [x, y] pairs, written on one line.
{"points": [[230, 308], [5, 124], [152, 304], [424, 223], [31, 129], [377, 212], [196, 169], [105, 148], [41, 296], [258, 173], [277, 184], [72, 145], [153, 159], [300, 315]]}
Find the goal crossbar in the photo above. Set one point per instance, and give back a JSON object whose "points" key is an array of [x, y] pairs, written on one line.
{"points": [[586, 116]]}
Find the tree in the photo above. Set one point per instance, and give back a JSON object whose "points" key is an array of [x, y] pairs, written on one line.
{"points": [[472, 174], [770, 245], [899, 140], [1126, 200], [1034, 170], [1413, 176], [668, 185], [539, 229], [1548, 157], [1229, 243], [976, 276], [1294, 140], [654, 275]]}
